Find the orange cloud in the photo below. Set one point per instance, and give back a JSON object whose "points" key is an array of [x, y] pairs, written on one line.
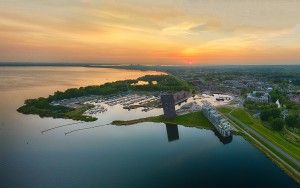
{"points": [[146, 31]]}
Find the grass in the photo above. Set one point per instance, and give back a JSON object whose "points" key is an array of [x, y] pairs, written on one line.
{"points": [[270, 148], [291, 136], [224, 110], [274, 136], [274, 158], [194, 119], [77, 114], [245, 117], [197, 119], [47, 110]]}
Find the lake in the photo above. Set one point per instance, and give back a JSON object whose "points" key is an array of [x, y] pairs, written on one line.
{"points": [[98, 155]]}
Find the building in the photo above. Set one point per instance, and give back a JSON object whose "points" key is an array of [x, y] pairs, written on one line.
{"points": [[221, 125], [294, 98], [269, 89], [168, 104], [181, 96], [256, 96], [169, 101]]}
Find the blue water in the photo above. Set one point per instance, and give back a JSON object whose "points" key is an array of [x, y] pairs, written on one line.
{"points": [[141, 155]]}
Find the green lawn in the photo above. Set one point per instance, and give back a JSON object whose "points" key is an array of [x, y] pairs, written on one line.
{"points": [[194, 119], [224, 110], [43, 108], [77, 114], [271, 135]]}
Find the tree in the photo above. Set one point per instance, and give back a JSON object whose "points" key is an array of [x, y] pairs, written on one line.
{"points": [[268, 113], [244, 91], [276, 94], [292, 120], [298, 123], [277, 124], [264, 115]]}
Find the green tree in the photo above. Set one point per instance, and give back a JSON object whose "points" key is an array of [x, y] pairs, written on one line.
{"points": [[277, 124], [276, 94], [292, 120], [268, 113]]}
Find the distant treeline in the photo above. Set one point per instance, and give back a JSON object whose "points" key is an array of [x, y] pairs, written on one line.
{"points": [[164, 83], [274, 73], [244, 69]]}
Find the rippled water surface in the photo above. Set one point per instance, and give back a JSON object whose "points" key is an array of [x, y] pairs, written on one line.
{"points": [[142, 155]]}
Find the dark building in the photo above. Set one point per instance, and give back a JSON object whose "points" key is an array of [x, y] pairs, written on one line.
{"points": [[168, 104], [172, 132]]}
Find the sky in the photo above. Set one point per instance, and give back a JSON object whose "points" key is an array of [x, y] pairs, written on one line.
{"points": [[150, 31]]}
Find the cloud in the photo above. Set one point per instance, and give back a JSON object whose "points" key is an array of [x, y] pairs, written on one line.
{"points": [[157, 29], [199, 28]]}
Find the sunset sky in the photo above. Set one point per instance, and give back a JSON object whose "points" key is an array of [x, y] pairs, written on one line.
{"points": [[151, 32]]}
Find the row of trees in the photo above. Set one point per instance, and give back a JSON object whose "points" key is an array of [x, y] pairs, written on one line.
{"points": [[164, 83], [291, 121], [277, 124], [105, 89], [271, 112], [272, 115]]}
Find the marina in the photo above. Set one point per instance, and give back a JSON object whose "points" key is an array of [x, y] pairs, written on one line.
{"points": [[100, 104], [184, 102]]}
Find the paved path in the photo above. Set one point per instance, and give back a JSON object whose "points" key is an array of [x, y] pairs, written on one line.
{"points": [[260, 137], [291, 168]]}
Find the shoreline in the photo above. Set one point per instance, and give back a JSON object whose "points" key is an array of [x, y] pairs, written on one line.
{"points": [[44, 107], [276, 158]]}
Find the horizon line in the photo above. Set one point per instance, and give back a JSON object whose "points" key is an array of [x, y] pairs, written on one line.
{"points": [[26, 63]]}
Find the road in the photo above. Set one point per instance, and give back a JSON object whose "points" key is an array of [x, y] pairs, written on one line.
{"points": [[266, 141], [278, 159], [267, 150]]}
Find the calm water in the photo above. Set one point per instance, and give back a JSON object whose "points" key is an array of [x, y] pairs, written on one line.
{"points": [[143, 155]]}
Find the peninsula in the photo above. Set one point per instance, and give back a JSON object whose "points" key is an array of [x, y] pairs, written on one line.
{"points": [[72, 103]]}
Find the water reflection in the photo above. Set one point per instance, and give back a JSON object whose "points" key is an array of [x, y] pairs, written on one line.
{"points": [[224, 140], [172, 132]]}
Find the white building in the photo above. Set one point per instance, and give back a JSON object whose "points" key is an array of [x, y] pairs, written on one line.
{"points": [[269, 89], [222, 125], [261, 97]]}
